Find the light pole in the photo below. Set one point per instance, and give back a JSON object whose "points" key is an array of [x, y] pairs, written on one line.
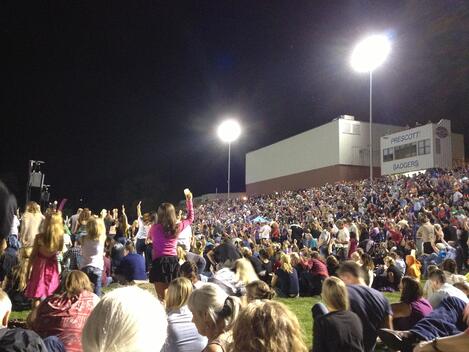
{"points": [[229, 131], [368, 55]]}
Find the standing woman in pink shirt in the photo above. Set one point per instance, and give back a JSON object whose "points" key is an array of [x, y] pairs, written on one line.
{"points": [[164, 234]]}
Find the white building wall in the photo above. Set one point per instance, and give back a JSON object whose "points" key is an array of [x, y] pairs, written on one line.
{"points": [[313, 149], [442, 154], [428, 134], [355, 139]]}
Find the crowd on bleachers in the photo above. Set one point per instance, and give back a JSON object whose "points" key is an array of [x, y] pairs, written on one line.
{"points": [[216, 266]]}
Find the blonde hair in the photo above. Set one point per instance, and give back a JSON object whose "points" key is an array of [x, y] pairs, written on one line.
{"points": [[285, 263], [126, 319], [20, 273], [53, 235], [179, 291], [335, 294], [222, 309], [245, 271], [267, 326], [259, 290], [77, 282], [389, 261], [33, 207], [95, 229], [5, 305]]}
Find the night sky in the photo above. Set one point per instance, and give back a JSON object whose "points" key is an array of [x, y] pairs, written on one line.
{"points": [[122, 98]]}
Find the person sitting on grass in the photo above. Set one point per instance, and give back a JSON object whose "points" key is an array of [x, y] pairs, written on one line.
{"points": [[442, 289], [16, 339], [16, 281], [267, 326], [126, 319], [285, 279], [450, 318], [370, 305], [182, 333], [412, 306], [131, 267], [65, 315], [336, 328], [214, 313]]}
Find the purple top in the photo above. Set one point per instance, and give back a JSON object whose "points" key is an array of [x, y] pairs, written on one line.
{"points": [[419, 309], [164, 245]]}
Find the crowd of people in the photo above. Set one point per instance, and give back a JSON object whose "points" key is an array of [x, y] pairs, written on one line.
{"points": [[216, 266]]}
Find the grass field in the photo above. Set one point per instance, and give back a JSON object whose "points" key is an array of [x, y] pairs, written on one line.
{"points": [[301, 307]]}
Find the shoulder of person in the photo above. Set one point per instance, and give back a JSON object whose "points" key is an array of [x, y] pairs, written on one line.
{"points": [[213, 348]]}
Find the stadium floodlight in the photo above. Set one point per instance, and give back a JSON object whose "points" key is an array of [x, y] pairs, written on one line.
{"points": [[229, 131], [368, 55]]}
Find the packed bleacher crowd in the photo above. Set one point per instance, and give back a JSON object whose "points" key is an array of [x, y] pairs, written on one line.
{"points": [[216, 266]]}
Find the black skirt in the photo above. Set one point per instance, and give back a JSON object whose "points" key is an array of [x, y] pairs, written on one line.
{"points": [[164, 269]]}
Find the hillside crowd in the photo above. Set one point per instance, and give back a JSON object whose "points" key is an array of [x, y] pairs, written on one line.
{"points": [[221, 268]]}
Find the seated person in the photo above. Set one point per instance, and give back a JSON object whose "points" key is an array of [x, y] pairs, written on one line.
{"points": [[285, 279], [278, 329], [16, 339], [442, 289], [413, 267], [65, 315], [450, 318], [126, 319], [336, 328], [412, 306], [189, 271], [131, 267], [16, 281], [182, 333]]}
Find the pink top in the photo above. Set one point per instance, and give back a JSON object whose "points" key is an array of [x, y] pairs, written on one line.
{"points": [[164, 245]]}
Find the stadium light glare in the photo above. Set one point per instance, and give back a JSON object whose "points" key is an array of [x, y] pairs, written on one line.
{"points": [[370, 53], [229, 130]]}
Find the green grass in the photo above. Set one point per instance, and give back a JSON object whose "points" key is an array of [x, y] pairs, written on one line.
{"points": [[301, 307]]}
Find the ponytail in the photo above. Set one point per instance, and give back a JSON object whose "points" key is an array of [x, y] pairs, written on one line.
{"points": [[230, 311]]}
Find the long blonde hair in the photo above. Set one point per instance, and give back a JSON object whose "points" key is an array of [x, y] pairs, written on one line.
{"points": [[272, 328], [285, 263], [20, 273], [53, 234], [335, 294], [178, 294], [245, 271], [95, 229]]}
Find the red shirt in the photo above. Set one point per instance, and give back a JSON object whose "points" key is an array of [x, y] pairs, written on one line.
{"points": [[65, 317], [318, 268]]}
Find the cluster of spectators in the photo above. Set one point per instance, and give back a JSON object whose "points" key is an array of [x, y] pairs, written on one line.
{"points": [[216, 267]]}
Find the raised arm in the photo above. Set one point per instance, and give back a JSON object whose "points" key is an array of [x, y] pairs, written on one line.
{"points": [[190, 209], [139, 209]]}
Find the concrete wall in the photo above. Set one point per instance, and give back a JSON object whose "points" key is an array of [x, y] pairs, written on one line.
{"points": [[311, 178], [354, 141], [313, 149]]}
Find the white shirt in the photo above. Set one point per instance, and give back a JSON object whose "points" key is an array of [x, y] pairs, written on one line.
{"points": [[343, 236], [185, 238], [14, 226], [446, 290], [264, 232], [142, 232]]}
